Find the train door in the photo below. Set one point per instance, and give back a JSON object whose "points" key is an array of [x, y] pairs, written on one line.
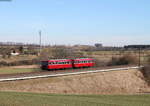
{"points": [[72, 62]]}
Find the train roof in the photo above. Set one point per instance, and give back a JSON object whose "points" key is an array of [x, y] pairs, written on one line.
{"points": [[69, 59], [83, 59], [58, 60]]}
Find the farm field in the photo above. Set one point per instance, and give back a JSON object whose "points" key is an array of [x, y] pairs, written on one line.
{"points": [[103, 56], [106, 56], [16, 70], [34, 99], [18, 58]]}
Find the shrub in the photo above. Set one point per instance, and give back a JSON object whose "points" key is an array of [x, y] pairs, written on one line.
{"points": [[145, 70], [21, 62], [146, 73], [124, 60], [99, 63], [3, 63]]}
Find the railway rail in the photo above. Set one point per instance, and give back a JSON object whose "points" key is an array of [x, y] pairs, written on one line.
{"points": [[35, 75]]}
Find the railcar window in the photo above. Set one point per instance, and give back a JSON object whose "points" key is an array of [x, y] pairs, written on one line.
{"points": [[51, 63]]}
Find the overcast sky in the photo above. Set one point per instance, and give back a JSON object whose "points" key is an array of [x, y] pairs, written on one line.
{"points": [[111, 22]]}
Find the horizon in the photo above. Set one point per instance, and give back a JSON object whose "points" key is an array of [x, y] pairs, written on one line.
{"points": [[64, 22], [21, 43]]}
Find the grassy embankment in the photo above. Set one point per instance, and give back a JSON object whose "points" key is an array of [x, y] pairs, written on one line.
{"points": [[117, 82], [33, 99]]}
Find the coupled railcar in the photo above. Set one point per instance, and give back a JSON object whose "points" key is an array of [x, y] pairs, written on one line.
{"points": [[87, 62], [67, 63]]}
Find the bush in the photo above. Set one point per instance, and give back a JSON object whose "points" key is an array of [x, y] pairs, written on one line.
{"points": [[146, 73], [145, 70], [124, 60], [21, 62], [3, 63], [99, 63]]}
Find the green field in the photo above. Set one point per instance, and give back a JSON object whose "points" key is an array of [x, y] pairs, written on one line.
{"points": [[17, 70], [32, 99]]}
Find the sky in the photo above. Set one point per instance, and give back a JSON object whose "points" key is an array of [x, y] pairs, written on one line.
{"points": [[69, 22]]}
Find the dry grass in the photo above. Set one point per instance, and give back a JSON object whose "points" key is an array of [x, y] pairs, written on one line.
{"points": [[17, 70], [97, 83], [24, 66], [19, 58]]}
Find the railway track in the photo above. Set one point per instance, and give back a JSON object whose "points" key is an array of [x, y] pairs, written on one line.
{"points": [[57, 73]]}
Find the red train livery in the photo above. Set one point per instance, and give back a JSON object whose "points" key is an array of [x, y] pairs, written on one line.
{"points": [[67, 63]]}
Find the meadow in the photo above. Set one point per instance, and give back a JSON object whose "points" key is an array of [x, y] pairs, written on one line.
{"points": [[35, 99]]}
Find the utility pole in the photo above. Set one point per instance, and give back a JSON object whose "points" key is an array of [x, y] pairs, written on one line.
{"points": [[40, 41]]}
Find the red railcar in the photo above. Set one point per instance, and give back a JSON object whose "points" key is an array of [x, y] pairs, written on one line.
{"points": [[67, 63], [57, 64], [83, 62]]}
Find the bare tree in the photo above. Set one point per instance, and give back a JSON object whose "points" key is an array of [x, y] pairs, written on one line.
{"points": [[59, 52]]}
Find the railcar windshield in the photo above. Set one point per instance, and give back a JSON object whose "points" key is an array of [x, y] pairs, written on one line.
{"points": [[44, 63]]}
